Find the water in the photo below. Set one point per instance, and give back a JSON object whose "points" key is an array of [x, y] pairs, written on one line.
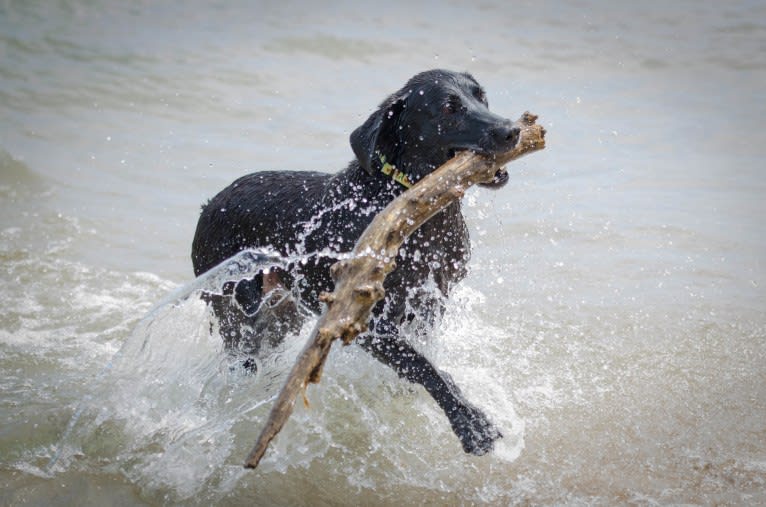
{"points": [[612, 324]]}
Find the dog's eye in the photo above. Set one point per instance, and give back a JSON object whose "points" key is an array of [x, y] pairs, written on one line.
{"points": [[453, 104], [480, 96]]}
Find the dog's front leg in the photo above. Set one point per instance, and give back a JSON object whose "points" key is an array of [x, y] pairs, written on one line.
{"points": [[475, 431]]}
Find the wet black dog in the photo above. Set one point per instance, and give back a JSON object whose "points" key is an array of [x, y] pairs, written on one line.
{"points": [[317, 215]]}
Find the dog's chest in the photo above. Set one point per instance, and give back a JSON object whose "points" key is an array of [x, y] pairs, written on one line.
{"points": [[440, 249]]}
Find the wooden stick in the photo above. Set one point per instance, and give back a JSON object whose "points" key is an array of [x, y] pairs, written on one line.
{"points": [[359, 279]]}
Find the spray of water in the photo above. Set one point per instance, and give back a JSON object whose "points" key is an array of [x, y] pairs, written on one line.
{"points": [[175, 413]]}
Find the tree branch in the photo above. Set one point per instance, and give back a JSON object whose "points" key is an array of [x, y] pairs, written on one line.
{"points": [[359, 279]]}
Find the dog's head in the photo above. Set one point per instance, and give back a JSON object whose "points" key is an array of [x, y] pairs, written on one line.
{"points": [[436, 114]]}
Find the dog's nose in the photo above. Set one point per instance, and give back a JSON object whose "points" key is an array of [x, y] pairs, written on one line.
{"points": [[506, 134]]}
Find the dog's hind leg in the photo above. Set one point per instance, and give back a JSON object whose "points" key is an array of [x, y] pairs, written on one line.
{"points": [[253, 312], [476, 432]]}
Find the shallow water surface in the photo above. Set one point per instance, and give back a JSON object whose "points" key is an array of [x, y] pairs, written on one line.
{"points": [[613, 322]]}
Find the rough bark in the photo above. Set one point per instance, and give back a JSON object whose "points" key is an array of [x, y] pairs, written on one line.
{"points": [[359, 279]]}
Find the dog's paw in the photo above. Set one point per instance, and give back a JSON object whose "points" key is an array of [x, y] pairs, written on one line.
{"points": [[475, 431]]}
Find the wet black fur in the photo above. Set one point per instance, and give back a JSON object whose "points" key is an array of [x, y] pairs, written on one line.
{"points": [[417, 129]]}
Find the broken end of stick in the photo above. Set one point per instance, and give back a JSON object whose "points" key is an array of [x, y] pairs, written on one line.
{"points": [[532, 134], [255, 456], [528, 118], [537, 142]]}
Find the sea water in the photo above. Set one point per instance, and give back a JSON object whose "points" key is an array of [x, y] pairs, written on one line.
{"points": [[613, 323]]}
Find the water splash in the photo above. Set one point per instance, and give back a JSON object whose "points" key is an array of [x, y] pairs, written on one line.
{"points": [[175, 413], [171, 386]]}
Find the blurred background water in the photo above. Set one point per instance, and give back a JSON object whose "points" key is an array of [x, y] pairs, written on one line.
{"points": [[613, 322]]}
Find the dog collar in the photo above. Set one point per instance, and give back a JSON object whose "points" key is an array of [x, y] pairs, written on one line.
{"points": [[397, 175]]}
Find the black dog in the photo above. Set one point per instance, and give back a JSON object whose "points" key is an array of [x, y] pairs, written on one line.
{"points": [[317, 215]]}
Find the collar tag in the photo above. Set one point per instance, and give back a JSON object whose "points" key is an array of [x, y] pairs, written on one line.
{"points": [[397, 175]]}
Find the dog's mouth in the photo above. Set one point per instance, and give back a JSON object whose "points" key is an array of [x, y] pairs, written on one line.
{"points": [[501, 176], [500, 179]]}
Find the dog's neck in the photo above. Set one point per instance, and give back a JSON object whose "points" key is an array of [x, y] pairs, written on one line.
{"points": [[395, 175], [377, 189], [415, 165]]}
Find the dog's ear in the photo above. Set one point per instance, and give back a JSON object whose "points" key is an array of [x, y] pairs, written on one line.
{"points": [[378, 135]]}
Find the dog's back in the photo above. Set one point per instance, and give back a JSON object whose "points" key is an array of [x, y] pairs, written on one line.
{"points": [[264, 209]]}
